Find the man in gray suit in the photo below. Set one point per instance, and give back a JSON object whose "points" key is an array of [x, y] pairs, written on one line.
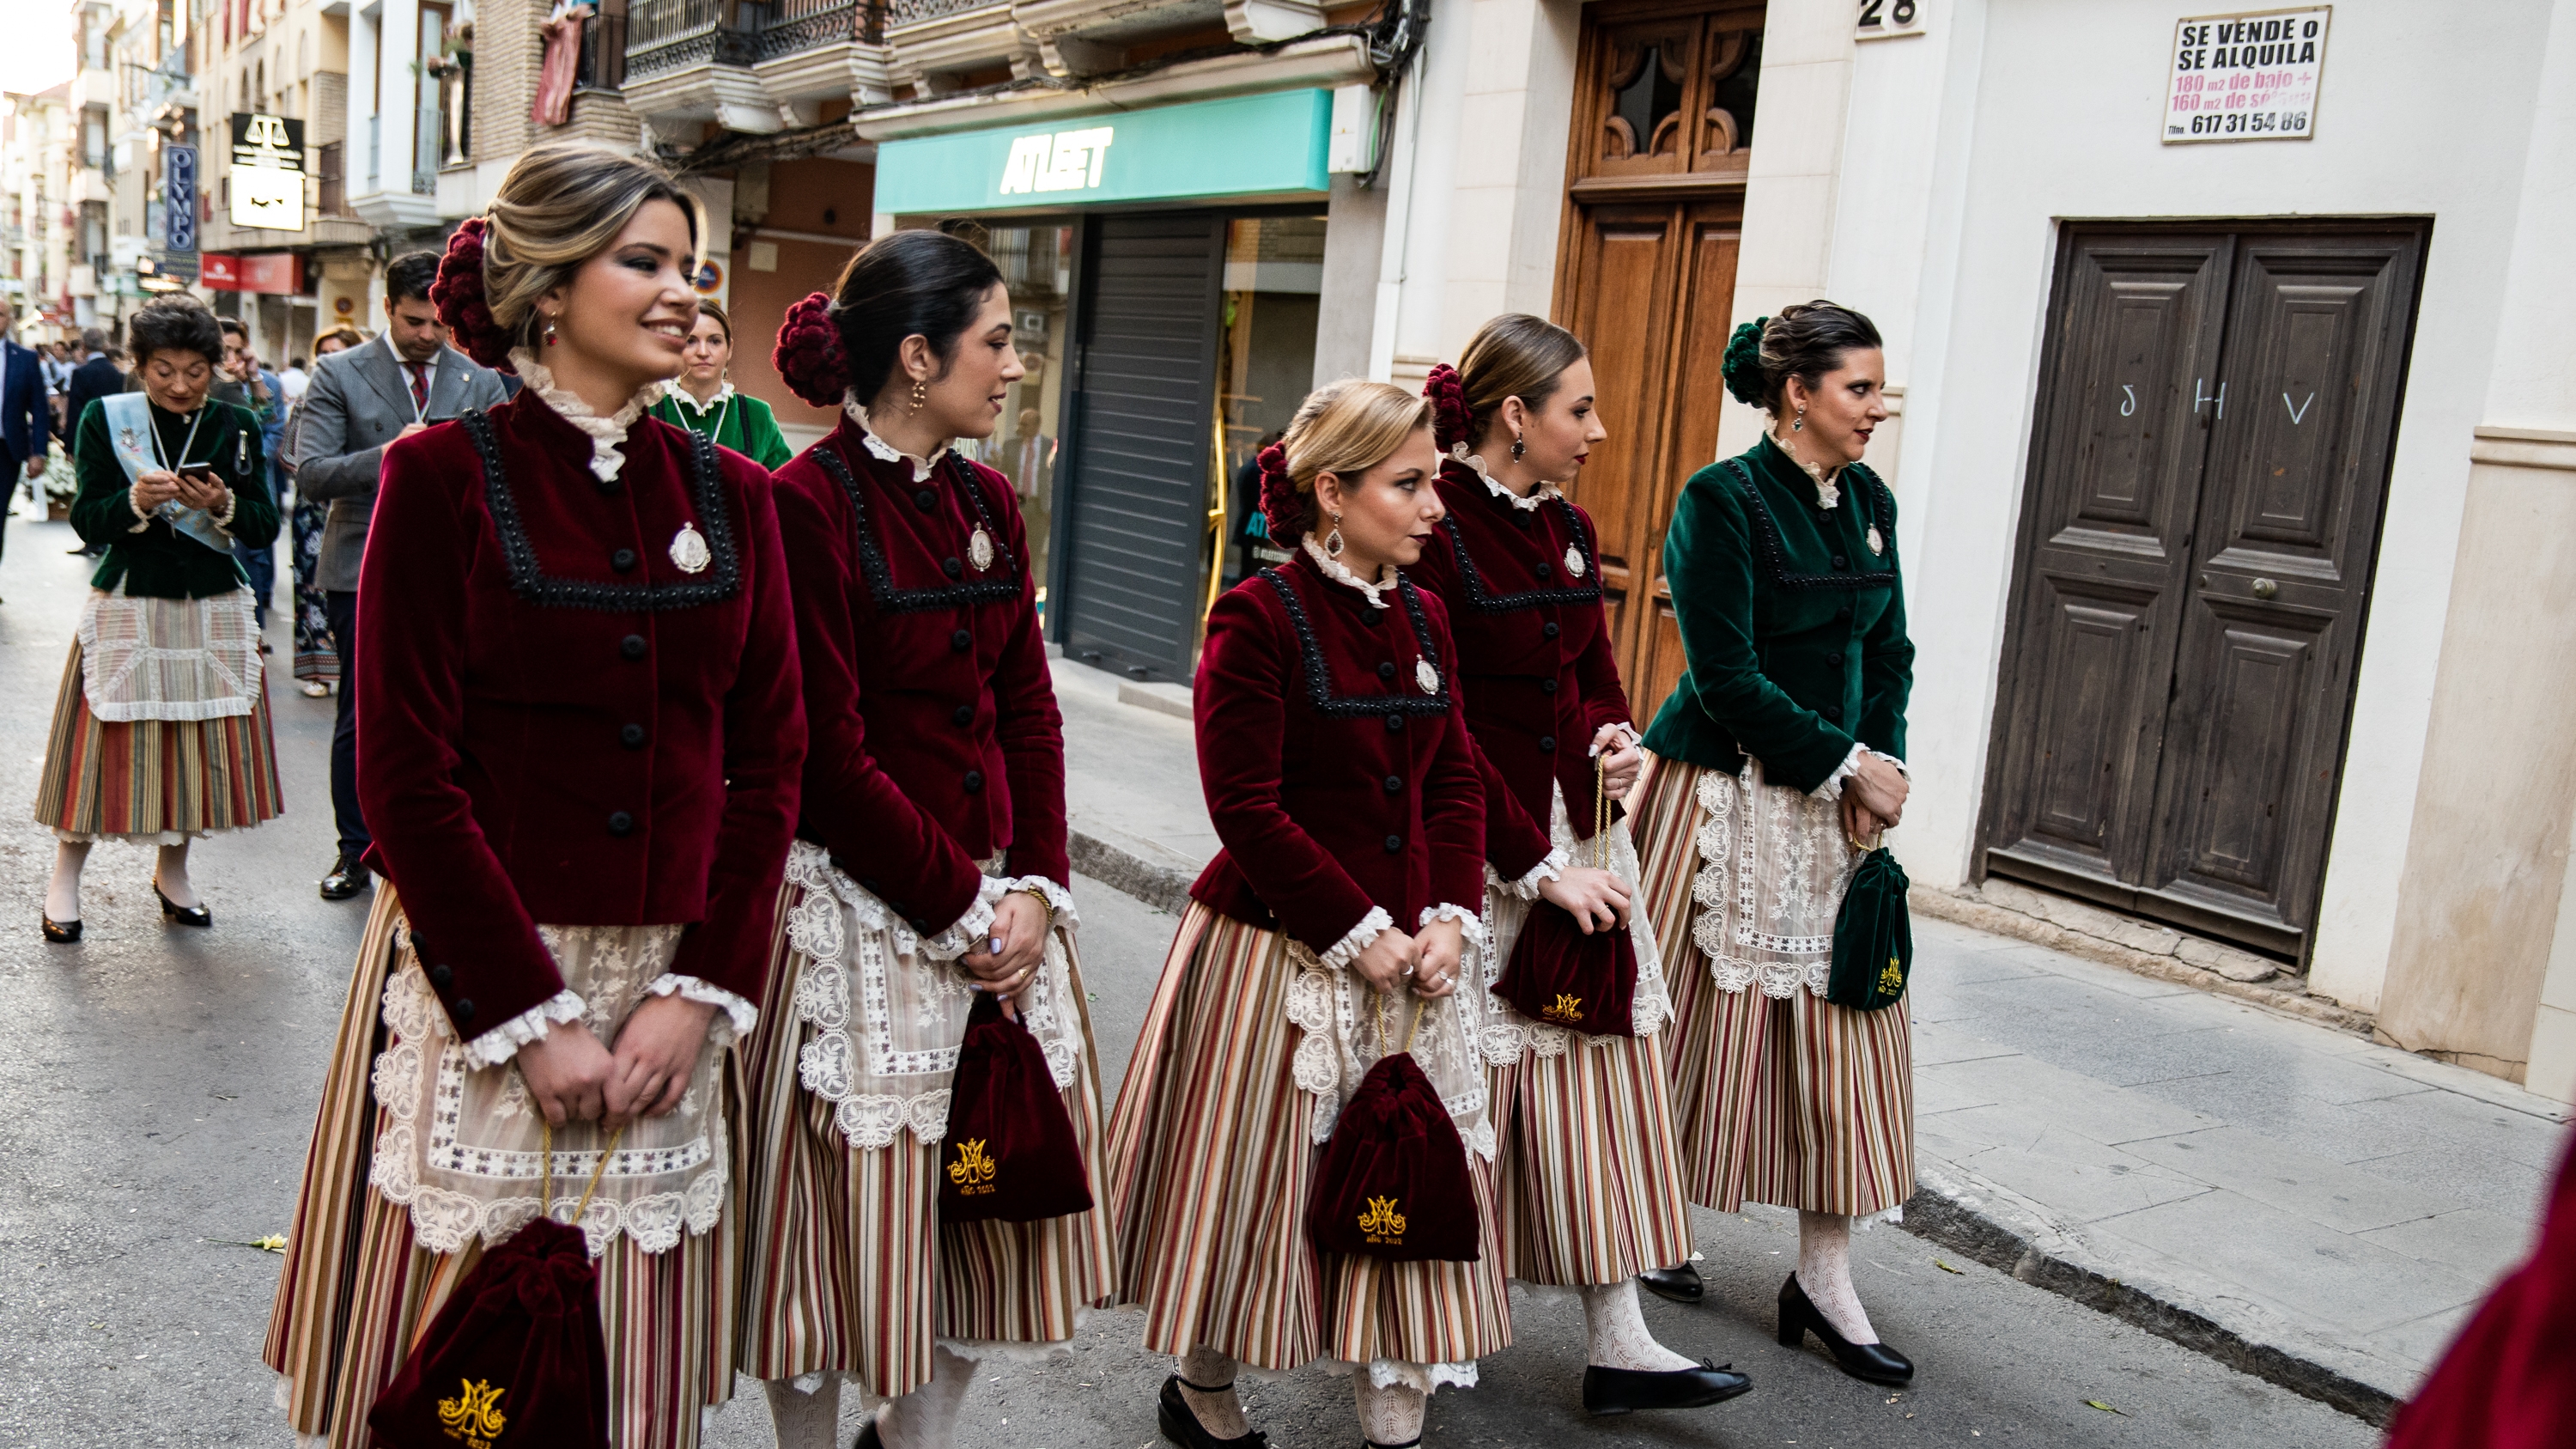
{"points": [[359, 401]]}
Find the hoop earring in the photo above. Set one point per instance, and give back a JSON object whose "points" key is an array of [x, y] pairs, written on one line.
{"points": [[1333, 544], [1518, 448], [1799, 424], [920, 394]]}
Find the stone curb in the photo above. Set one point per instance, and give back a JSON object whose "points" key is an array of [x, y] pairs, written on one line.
{"points": [[1965, 1230], [1159, 886], [2003, 922]]}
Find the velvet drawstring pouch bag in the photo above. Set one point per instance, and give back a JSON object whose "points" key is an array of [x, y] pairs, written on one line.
{"points": [[1393, 1184], [1010, 1152], [1565, 976], [515, 1357], [1873, 935]]}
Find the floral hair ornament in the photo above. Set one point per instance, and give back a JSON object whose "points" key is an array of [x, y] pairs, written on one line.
{"points": [[1742, 369], [809, 356], [1282, 511], [459, 297], [1450, 421]]}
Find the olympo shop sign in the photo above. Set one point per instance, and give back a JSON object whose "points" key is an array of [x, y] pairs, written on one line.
{"points": [[1265, 145], [2251, 77]]}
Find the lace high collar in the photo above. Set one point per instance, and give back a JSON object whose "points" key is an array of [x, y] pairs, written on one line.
{"points": [[687, 399], [1543, 492], [1829, 493], [884, 451], [605, 433], [1340, 573]]}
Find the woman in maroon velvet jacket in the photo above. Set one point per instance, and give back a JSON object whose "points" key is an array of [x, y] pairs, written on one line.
{"points": [[1587, 1162], [582, 740], [1340, 779], [930, 865]]}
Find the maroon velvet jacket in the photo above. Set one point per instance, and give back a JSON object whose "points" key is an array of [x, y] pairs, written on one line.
{"points": [[1534, 647], [1334, 780], [936, 736], [555, 722]]}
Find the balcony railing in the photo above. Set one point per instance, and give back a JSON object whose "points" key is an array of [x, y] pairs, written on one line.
{"points": [[603, 54], [670, 34], [912, 12], [799, 25]]}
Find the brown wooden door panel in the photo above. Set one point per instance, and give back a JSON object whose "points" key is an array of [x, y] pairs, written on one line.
{"points": [[1625, 271], [2114, 477], [2289, 515], [1661, 662]]}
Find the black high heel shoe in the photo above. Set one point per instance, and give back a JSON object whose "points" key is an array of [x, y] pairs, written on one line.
{"points": [[1871, 1362], [185, 915], [1181, 1425], [61, 933]]}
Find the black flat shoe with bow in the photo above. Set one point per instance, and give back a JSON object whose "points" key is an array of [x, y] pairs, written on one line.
{"points": [[197, 916], [1618, 1391], [1679, 1284], [61, 933], [1871, 1362], [1181, 1425]]}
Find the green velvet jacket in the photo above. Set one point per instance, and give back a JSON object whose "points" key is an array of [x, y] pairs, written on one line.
{"points": [[741, 422], [1793, 627], [161, 562]]}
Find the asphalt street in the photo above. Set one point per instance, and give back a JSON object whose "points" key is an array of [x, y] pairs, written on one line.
{"points": [[160, 1087]]}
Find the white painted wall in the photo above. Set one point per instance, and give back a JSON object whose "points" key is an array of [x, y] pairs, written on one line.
{"points": [[2050, 111]]}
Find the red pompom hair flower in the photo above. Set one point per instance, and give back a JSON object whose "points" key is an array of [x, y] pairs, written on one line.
{"points": [[809, 355], [1282, 512], [1450, 420], [458, 296]]}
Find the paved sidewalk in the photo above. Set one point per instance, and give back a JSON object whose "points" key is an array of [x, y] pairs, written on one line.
{"points": [[2291, 1199]]}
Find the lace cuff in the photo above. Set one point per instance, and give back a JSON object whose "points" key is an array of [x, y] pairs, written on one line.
{"points": [[1471, 923], [971, 930], [1348, 949], [1628, 736], [744, 1015], [1891, 759], [502, 1042], [1526, 888], [1832, 789], [1058, 899]]}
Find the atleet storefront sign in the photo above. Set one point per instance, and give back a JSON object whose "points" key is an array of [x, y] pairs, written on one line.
{"points": [[1239, 146]]}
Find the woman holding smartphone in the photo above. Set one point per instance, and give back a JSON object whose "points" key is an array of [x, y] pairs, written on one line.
{"points": [[161, 731]]}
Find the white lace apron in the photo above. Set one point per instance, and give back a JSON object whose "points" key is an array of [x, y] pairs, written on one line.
{"points": [[1508, 1034], [1335, 1011], [1774, 864], [461, 1146], [181, 659], [888, 1008]]}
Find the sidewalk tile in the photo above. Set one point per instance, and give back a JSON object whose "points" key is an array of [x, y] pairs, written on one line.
{"points": [[2346, 1199], [2081, 1181], [2420, 1341], [2330, 1281], [2254, 1071], [2473, 1242], [1936, 1042], [2446, 1116], [2059, 1098]]}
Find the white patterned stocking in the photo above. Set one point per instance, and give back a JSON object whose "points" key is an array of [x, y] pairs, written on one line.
{"points": [[1391, 1416], [1824, 1270], [1221, 1412], [926, 1418], [62, 894], [802, 1420], [1617, 1332]]}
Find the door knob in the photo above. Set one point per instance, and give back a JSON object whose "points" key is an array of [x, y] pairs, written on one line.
{"points": [[2265, 588]]}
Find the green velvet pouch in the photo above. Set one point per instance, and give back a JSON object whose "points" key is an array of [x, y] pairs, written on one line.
{"points": [[1873, 936]]}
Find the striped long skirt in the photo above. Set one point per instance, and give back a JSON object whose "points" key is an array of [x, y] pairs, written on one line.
{"points": [[156, 780], [1788, 1100], [1211, 1158], [355, 1291], [847, 1267]]}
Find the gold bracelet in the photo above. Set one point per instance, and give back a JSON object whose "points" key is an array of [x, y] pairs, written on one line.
{"points": [[1044, 903]]}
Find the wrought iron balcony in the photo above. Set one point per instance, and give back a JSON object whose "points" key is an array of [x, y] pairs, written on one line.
{"points": [[801, 25], [913, 12], [664, 35]]}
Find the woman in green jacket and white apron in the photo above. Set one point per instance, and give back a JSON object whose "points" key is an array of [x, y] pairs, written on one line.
{"points": [[161, 730], [701, 397]]}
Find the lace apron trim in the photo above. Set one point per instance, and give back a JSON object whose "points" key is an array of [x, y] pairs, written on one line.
{"points": [[1774, 864], [1335, 1014], [461, 1145], [173, 659], [1507, 1034], [886, 1008]]}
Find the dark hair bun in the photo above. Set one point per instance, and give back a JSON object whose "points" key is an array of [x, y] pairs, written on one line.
{"points": [[1742, 368], [458, 296], [1282, 511], [1450, 420], [809, 355]]}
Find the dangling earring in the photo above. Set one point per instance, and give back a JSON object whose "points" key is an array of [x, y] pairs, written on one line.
{"points": [[920, 394], [1518, 448], [1333, 540], [551, 339], [1799, 425]]}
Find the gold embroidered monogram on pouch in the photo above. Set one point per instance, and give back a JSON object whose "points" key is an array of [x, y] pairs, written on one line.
{"points": [[1383, 1224], [473, 1417], [973, 1170]]}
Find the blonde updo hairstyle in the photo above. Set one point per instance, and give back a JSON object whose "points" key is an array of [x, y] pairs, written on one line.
{"points": [[1514, 355], [1343, 428], [562, 204]]}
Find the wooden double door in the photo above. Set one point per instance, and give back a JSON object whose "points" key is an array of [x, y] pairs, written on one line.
{"points": [[2208, 469]]}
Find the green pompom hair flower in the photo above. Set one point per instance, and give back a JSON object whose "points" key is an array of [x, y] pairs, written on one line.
{"points": [[1742, 369]]}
